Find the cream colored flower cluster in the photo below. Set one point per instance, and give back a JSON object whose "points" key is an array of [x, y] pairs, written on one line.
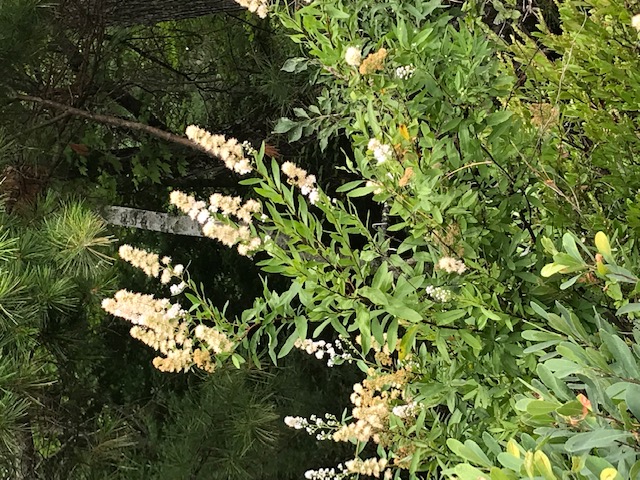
{"points": [[353, 56], [372, 405], [157, 323], [382, 353], [148, 262], [381, 151], [225, 233], [321, 349], [451, 265], [217, 341], [299, 177], [230, 151], [439, 294], [371, 466], [162, 325], [259, 7], [232, 206], [152, 265]]}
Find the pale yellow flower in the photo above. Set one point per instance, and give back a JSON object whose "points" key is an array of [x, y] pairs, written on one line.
{"points": [[353, 56]]}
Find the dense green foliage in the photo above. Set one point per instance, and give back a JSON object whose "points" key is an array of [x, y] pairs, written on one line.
{"points": [[474, 253]]}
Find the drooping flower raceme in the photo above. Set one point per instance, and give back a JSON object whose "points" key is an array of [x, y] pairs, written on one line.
{"points": [[226, 233], [230, 151], [151, 264], [148, 262], [161, 325]]}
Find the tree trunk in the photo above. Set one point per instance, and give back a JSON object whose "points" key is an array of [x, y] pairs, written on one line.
{"points": [[150, 220], [126, 13]]}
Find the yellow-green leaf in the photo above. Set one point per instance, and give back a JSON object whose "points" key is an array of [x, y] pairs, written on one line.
{"points": [[551, 269], [602, 244]]}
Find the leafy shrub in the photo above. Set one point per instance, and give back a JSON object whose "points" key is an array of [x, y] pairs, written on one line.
{"points": [[445, 303]]}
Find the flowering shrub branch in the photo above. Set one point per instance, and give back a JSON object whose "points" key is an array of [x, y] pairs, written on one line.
{"points": [[440, 309]]}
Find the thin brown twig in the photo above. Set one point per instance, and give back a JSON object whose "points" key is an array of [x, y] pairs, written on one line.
{"points": [[474, 164], [115, 121]]}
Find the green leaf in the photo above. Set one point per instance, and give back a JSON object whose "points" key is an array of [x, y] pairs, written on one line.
{"points": [[570, 282], [464, 471], [373, 120], [622, 353], [510, 461], [392, 334], [548, 246], [562, 368], [402, 311], [552, 268], [469, 451], [569, 244], [541, 407], [471, 340], [295, 65], [601, 438], [633, 399], [349, 186], [628, 308], [361, 192], [498, 117], [635, 470], [284, 125], [448, 317], [570, 409], [288, 345]]}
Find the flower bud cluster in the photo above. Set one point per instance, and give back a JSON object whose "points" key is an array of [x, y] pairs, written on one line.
{"points": [[337, 473], [405, 72], [249, 148], [406, 411], [370, 466], [334, 352], [381, 152], [451, 265], [299, 177], [230, 151], [439, 294], [321, 428]]}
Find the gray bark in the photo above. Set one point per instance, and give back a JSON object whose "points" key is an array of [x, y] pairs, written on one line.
{"points": [[150, 220]]}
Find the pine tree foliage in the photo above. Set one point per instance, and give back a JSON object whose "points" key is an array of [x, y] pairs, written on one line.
{"points": [[53, 262]]}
